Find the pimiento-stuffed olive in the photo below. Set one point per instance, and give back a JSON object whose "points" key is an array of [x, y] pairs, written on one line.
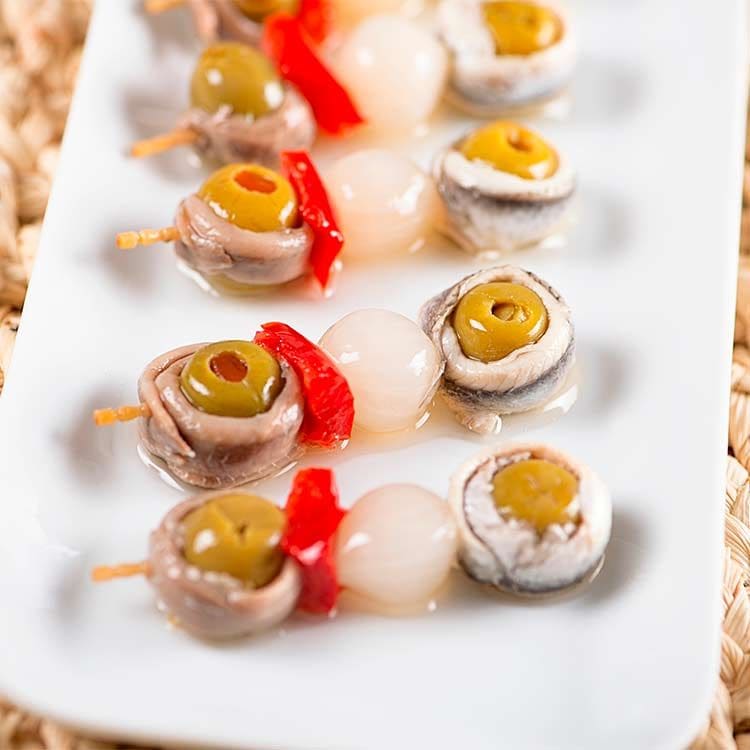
{"points": [[493, 320], [511, 148], [259, 9], [238, 535], [232, 379], [536, 491], [251, 197], [521, 28], [233, 75]]}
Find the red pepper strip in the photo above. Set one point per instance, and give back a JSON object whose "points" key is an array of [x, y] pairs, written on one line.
{"points": [[316, 211], [329, 404], [315, 17], [313, 515], [286, 42]]}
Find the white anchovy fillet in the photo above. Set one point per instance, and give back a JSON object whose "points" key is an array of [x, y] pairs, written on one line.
{"points": [[480, 392], [509, 554], [212, 451], [486, 83], [226, 137], [214, 605], [214, 246], [491, 210]]}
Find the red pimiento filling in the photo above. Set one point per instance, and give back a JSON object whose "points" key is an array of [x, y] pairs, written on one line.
{"points": [[287, 42], [313, 516], [329, 403], [316, 211], [315, 17]]}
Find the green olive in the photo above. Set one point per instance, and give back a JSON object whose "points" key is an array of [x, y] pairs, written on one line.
{"points": [[536, 491], [238, 535], [508, 147], [230, 74], [232, 379], [251, 197], [520, 28], [493, 320], [259, 9]]}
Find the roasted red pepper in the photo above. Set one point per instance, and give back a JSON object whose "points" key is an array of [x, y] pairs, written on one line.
{"points": [[313, 515], [287, 43], [316, 211], [315, 17], [329, 404]]}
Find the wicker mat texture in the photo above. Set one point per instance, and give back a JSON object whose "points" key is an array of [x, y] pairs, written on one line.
{"points": [[40, 45]]}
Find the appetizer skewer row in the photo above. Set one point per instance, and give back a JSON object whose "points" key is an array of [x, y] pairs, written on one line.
{"points": [[499, 342], [498, 57], [220, 415], [248, 106], [524, 519], [502, 188], [249, 226]]}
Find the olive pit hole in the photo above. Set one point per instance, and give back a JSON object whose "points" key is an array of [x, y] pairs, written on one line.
{"points": [[509, 311], [254, 182], [228, 366], [518, 142]]}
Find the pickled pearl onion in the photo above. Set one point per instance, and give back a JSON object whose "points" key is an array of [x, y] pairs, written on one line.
{"points": [[396, 546], [391, 366], [395, 71], [383, 202]]}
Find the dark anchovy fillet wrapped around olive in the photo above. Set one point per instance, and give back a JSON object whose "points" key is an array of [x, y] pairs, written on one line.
{"points": [[506, 59], [226, 137], [242, 110], [503, 189], [209, 603], [531, 520], [216, 247], [212, 450], [507, 340]]}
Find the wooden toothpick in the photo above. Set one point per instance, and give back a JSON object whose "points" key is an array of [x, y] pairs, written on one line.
{"points": [[103, 573], [129, 240], [103, 417], [164, 142], [160, 6]]}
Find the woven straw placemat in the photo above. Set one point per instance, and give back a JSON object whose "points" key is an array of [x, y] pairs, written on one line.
{"points": [[40, 45]]}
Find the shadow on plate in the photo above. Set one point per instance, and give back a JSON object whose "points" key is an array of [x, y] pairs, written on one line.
{"points": [[601, 229], [91, 452], [625, 560], [155, 113], [137, 270], [604, 378], [605, 91]]}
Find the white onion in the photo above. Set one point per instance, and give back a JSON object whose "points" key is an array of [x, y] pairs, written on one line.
{"points": [[396, 546], [383, 202], [394, 69], [391, 366]]}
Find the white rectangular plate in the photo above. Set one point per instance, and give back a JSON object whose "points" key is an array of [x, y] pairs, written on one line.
{"points": [[656, 133]]}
